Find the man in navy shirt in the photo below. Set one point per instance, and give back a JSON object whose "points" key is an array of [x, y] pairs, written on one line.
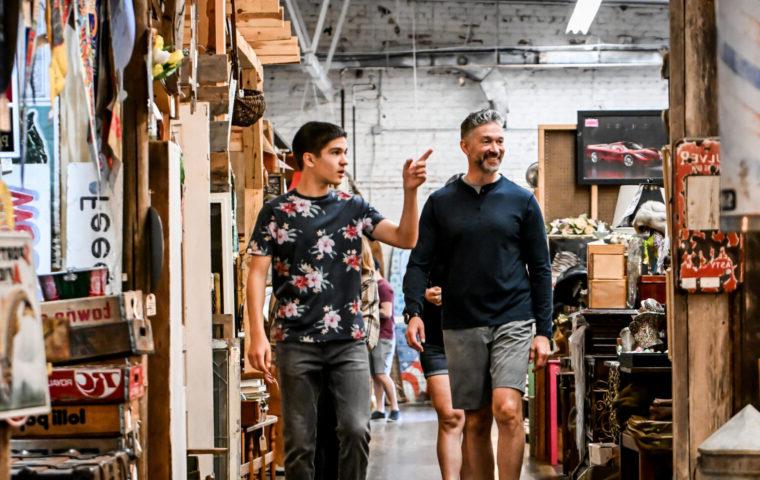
{"points": [[311, 239], [489, 234]]}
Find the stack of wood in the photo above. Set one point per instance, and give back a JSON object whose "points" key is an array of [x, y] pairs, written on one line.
{"points": [[96, 385]]}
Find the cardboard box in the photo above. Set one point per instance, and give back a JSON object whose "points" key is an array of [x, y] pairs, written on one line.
{"points": [[96, 384], [606, 261], [601, 453], [608, 293]]}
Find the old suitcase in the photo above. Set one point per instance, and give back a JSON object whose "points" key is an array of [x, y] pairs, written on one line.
{"points": [[98, 327], [82, 421], [96, 384], [74, 465]]}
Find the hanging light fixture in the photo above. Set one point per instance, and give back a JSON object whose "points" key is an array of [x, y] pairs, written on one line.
{"points": [[583, 15]]}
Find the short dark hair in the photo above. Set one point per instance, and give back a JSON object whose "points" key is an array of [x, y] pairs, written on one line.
{"points": [[481, 117], [312, 138]]}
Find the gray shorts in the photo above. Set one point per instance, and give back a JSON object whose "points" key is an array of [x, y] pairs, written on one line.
{"points": [[483, 358], [381, 357]]}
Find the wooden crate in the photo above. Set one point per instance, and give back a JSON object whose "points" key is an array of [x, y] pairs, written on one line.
{"points": [[606, 261], [82, 421], [608, 293]]}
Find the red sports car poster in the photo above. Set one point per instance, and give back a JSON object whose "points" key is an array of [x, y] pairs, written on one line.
{"points": [[620, 147]]}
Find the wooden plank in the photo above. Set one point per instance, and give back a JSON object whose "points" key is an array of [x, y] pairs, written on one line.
{"points": [[218, 97], [260, 22], [279, 59], [213, 69], [700, 69], [220, 18], [237, 161], [748, 344], [236, 145], [254, 6], [254, 34], [219, 132], [192, 134], [710, 377], [540, 196], [5, 451], [277, 47], [594, 201], [677, 309], [253, 146], [204, 24], [249, 58], [220, 172], [278, 14], [166, 394]]}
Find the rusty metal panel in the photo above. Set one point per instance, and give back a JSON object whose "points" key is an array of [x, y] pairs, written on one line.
{"points": [[708, 259]]}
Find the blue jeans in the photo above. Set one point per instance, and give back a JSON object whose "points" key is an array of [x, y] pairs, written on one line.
{"points": [[342, 368]]}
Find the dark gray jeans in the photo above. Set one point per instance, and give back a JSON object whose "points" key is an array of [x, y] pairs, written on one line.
{"points": [[345, 369]]}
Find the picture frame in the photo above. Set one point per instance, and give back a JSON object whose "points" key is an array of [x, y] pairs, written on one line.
{"points": [[619, 147], [275, 184]]}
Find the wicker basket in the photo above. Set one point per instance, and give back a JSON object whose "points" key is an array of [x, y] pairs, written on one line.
{"points": [[249, 108]]}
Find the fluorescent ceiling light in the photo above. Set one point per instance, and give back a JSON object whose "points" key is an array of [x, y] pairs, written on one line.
{"points": [[583, 15]]}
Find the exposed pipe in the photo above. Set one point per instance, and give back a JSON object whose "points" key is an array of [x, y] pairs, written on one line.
{"points": [[343, 108]]}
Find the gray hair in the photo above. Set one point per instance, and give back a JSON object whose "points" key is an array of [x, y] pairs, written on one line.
{"points": [[481, 117]]}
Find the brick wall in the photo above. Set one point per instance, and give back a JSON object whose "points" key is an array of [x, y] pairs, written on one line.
{"points": [[388, 127], [375, 25], [534, 97]]}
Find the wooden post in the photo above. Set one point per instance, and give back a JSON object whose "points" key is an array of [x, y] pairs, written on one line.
{"points": [[167, 427], [702, 351], [136, 191], [5, 451], [594, 201]]}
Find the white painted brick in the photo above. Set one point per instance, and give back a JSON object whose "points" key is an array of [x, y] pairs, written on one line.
{"points": [[534, 97]]}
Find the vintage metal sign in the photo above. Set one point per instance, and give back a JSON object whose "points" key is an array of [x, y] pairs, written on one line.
{"points": [[738, 24], [96, 384], [709, 260]]}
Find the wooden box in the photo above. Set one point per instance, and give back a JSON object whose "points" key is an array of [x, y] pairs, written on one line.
{"points": [[99, 327], [608, 293], [653, 286], [606, 262], [65, 343], [82, 421]]}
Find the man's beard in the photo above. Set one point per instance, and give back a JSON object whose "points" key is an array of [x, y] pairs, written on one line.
{"points": [[481, 162]]}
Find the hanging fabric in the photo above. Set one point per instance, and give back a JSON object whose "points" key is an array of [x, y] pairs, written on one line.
{"points": [[58, 63]]}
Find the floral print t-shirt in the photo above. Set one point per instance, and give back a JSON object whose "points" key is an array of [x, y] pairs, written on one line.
{"points": [[315, 245]]}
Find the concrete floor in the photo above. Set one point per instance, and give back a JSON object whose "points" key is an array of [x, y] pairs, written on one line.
{"points": [[406, 450]]}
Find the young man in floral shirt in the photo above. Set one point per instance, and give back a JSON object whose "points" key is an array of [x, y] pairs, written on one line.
{"points": [[311, 239]]}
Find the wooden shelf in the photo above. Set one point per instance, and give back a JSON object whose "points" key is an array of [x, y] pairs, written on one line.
{"points": [[270, 420]]}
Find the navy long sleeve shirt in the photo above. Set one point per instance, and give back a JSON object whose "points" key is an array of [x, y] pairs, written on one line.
{"points": [[495, 255]]}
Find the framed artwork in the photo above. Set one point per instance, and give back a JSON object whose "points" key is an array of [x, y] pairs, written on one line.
{"points": [[275, 184], [620, 147]]}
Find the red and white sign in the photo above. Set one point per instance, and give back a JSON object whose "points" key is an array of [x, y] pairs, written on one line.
{"points": [[96, 384]]}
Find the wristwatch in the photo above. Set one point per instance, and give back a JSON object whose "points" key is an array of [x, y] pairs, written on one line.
{"points": [[408, 316]]}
